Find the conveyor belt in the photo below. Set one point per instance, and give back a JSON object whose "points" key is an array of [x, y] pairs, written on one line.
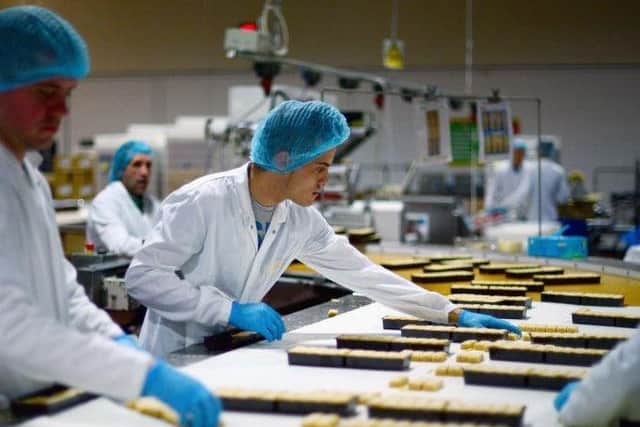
{"points": [[265, 365]]}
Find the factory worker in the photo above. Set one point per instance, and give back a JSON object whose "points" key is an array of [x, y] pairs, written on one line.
{"points": [[121, 215], [554, 187], [50, 331], [509, 185], [233, 234], [610, 390]]}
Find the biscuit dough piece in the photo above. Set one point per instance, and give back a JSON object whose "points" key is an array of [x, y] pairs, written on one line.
{"points": [[449, 371], [154, 408], [399, 382], [470, 357], [425, 384]]}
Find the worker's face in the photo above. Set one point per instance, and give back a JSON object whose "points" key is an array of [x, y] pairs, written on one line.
{"points": [[136, 176], [305, 184], [517, 157], [30, 116]]}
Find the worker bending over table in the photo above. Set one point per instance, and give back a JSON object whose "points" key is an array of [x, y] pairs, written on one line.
{"points": [[222, 241]]}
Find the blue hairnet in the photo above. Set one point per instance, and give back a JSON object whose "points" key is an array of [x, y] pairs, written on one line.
{"points": [[35, 45], [295, 133], [124, 154]]}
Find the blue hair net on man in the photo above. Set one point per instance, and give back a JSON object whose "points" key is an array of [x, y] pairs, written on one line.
{"points": [[124, 154], [295, 133], [35, 45]]}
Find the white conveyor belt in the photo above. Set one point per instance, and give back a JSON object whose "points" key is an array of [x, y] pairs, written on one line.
{"points": [[264, 365]]}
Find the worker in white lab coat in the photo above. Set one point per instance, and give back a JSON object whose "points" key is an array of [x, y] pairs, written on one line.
{"points": [[49, 330], [611, 389], [121, 215], [554, 187], [233, 234], [509, 183]]}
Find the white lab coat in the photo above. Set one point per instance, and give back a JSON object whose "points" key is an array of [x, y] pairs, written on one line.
{"points": [[610, 390], [555, 190], [509, 189], [207, 230], [115, 223], [50, 331]]}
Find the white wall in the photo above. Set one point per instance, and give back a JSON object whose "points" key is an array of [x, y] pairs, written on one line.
{"points": [[594, 110]]}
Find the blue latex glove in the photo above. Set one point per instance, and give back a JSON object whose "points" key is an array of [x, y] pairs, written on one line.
{"points": [[128, 340], [195, 405], [476, 320], [564, 394], [257, 317]]}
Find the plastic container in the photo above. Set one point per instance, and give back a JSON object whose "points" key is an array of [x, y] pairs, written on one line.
{"points": [[566, 247]]}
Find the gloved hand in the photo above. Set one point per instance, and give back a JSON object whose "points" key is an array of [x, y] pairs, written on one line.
{"points": [[128, 340], [257, 317], [477, 320], [196, 406], [564, 394]]}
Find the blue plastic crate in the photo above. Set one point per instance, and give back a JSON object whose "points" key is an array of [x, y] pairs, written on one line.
{"points": [[567, 247]]}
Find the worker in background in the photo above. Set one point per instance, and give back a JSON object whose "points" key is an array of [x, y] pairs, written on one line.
{"points": [[509, 185], [49, 330], [554, 186], [610, 390], [121, 215], [234, 233]]}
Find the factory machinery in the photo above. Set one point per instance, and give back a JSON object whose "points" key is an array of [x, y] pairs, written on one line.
{"points": [[342, 353]]}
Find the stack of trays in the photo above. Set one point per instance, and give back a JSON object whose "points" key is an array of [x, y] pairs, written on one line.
{"points": [[583, 298], [501, 268], [445, 258], [559, 329], [490, 299], [523, 273], [503, 311], [473, 261], [419, 408], [346, 358], [231, 339], [397, 264], [453, 333], [531, 285], [362, 236], [514, 291], [398, 321], [567, 279], [391, 343], [49, 401], [538, 353], [286, 402], [584, 340], [536, 378], [603, 318], [458, 266], [445, 276]]}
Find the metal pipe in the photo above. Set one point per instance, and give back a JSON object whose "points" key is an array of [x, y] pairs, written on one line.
{"points": [[539, 135]]}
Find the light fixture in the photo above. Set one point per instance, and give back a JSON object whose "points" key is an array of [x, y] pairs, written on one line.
{"points": [[393, 48]]}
